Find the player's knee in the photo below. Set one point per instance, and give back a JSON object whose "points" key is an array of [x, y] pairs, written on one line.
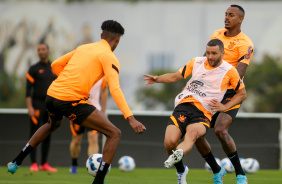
{"points": [[116, 133], [221, 132], [170, 144], [54, 125], [76, 141]]}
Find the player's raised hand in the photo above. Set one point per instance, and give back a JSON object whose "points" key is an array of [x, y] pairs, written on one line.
{"points": [[136, 125], [217, 106], [150, 79]]}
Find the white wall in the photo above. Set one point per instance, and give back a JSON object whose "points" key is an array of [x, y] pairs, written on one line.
{"points": [[177, 31]]}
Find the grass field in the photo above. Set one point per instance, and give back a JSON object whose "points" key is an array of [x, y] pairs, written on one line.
{"points": [[138, 176]]}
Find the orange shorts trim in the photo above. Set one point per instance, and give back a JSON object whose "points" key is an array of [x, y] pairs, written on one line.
{"points": [[234, 107], [174, 121], [205, 124]]}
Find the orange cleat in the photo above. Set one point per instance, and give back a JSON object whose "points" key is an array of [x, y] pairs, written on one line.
{"points": [[34, 167], [47, 167]]}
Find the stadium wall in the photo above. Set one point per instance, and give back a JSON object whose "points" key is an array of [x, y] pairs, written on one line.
{"points": [[257, 135]]}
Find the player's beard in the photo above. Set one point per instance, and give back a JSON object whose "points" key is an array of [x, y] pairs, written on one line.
{"points": [[215, 63]]}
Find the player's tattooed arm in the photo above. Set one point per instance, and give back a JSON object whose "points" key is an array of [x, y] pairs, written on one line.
{"points": [[241, 68]]}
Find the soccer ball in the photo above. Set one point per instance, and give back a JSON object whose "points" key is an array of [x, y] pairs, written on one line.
{"points": [[208, 168], [126, 163], [93, 163], [250, 165], [227, 165]]}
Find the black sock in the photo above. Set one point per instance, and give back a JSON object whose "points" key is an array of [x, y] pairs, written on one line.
{"points": [[179, 166], [74, 162], [102, 171], [236, 163], [21, 156], [212, 162]]}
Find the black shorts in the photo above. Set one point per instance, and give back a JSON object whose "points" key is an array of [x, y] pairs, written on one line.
{"points": [[232, 111], [186, 114], [76, 111], [77, 129]]}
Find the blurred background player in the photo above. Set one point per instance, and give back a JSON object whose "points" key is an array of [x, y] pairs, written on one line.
{"points": [[238, 49], [195, 105], [97, 92], [39, 78]]}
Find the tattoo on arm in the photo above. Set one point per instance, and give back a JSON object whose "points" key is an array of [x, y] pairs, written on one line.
{"points": [[241, 68]]}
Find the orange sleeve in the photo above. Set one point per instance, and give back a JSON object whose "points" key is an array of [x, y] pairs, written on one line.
{"points": [[246, 53], [234, 79], [110, 66], [59, 64], [187, 69]]}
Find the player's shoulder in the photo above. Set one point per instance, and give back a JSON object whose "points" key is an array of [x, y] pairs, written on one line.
{"points": [[219, 32], [34, 66], [246, 39]]}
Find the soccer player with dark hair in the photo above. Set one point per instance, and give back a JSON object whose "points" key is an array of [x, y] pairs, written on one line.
{"points": [[198, 101], [77, 72], [238, 49]]}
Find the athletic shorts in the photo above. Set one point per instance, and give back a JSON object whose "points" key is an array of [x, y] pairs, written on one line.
{"points": [[186, 114], [232, 111], [77, 129], [76, 111]]}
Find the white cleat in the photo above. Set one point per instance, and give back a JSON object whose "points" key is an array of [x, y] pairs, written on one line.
{"points": [[181, 177], [174, 158]]}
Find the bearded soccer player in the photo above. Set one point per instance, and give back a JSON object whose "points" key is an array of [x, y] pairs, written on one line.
{"points": [[194, 106], [77, 72], [238, 52]]}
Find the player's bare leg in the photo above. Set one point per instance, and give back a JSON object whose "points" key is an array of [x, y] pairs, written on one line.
{"points": [[222, 124], [98, 121], [93, 146], [172, 138], [75, 147], [221, 127]]}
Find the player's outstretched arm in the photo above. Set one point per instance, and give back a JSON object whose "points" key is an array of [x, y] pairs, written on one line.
{"points": [[165, 78], [136, 125]]}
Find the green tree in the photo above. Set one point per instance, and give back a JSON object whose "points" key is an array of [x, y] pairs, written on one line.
{"points": [[160, 94], [264, 81]]}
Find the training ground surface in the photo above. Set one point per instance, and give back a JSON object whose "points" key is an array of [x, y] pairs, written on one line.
{"points": [[138, 176]]}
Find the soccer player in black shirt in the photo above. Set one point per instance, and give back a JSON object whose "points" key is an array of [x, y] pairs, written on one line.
{"points": [[39, 78]]}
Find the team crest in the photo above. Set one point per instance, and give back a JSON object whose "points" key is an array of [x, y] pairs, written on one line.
{"points": [[181, 118], [72, 117], [231, 45]]}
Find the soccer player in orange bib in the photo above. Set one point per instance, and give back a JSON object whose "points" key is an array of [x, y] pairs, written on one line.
{"points": [[199, 100], [77, 72], [238, 49]]}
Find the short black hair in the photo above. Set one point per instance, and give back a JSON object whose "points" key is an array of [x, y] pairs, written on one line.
{"points": [[215, 42], [43, 43], [113, 27], [240, 8]]}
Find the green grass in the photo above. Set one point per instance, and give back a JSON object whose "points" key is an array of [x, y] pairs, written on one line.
{"points": [[138, 176]]}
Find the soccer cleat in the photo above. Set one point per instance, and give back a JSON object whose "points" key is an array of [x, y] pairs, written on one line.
{"points": [[12, 167], [241, 179], [181, 177], [73, 169], [174, 158], [47, 167], [218, 177], [34, 167]]}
